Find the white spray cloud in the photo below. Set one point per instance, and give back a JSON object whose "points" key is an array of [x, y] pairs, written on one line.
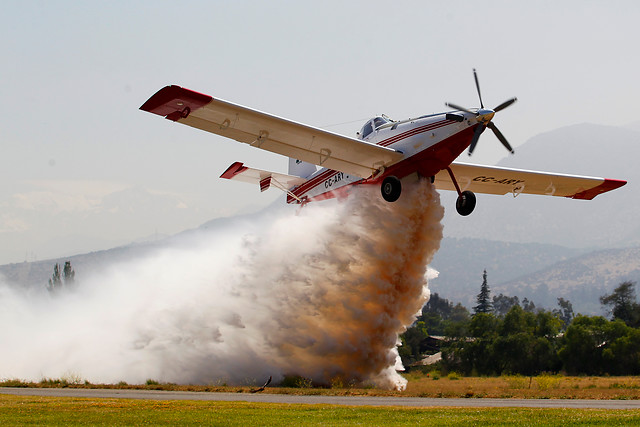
{"points": [[322, 294]]}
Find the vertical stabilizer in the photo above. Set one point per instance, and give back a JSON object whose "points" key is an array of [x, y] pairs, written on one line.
{"points": [[300, 168]]}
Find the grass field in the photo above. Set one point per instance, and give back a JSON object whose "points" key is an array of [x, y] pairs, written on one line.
{"points": [[421, 385], [28, 410], [538, 387]]}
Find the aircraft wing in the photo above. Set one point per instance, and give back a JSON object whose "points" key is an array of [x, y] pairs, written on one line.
{"points": [[496, 180], [270, 133], [264, 179]]}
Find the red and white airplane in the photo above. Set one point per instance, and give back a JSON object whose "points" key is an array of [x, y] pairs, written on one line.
{"points": [[385, 152]]}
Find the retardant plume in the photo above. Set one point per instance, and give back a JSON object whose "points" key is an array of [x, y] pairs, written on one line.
{"points": [[322, 294]]}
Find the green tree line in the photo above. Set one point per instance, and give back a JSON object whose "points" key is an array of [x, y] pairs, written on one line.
{"points": [[504, 335]]}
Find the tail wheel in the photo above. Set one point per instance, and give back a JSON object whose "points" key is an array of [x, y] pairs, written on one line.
{"points": [[391, 188], [466, 203]]}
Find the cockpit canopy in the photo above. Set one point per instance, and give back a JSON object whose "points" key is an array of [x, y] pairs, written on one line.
{"points": [[372, 125]]}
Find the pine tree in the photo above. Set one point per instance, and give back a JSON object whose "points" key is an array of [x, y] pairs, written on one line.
{"points": [[65, 277], [55, 283], [484, 297], [69, 274]]}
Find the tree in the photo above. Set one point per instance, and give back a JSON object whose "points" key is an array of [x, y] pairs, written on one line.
{"points": [[437, 305], [622, 303], [69, 274], [564, 313], [439, 317], [502, 304], [439, 313], [483, 298], [470, 350], [595, 346], [57, 280], [528, 306], [413, 343], [622, 355], [55, 283]]}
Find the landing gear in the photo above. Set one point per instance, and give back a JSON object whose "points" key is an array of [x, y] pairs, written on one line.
{"points": [[391, 188], [466, 203]]}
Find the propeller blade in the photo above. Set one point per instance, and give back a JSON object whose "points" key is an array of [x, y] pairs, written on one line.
{"points": [[476, 137], [505, 104], [457, 107], [500, 136], [475, 76]]}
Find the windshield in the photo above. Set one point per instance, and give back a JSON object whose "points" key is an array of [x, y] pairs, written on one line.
{"points": [[372, 124], [379, 121], [366, 129]]}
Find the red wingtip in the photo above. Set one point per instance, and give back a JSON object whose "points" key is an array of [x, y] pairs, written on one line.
{"points": [[607, 185], [174, 102], [233, 170]]}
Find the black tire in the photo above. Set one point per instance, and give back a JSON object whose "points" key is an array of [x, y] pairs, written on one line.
{"points": [[466, 203], [391, 188]]}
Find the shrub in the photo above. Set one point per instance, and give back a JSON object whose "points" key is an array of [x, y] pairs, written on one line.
{"points": [[515, 381], [296, 381], [453, 376], [545, 381]]}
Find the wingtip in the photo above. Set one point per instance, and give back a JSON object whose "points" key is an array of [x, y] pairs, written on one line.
{"points": [[233, 170], [606, 186], [172, 100]]}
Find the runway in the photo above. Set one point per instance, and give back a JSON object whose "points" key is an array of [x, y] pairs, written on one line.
{"points": [[330, 400]]}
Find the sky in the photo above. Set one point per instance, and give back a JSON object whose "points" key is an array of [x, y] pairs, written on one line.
{"points": [[83, 169]]}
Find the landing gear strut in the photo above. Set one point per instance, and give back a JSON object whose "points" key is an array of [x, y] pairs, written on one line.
{"points": [[466, 202], [391, 188]]}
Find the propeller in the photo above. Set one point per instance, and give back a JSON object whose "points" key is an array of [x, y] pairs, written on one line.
{"points": [[484, 117]]}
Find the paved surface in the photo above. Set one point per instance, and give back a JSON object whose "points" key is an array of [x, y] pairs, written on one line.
{"points": [[332, 400]]}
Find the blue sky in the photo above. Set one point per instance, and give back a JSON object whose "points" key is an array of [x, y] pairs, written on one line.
{"points": [[83, 169]]}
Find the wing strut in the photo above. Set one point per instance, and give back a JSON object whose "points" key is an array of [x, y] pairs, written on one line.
{"points": [[279, 186]]}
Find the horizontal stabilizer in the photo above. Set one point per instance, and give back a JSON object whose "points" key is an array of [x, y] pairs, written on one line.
{"points": [[264, 179]]}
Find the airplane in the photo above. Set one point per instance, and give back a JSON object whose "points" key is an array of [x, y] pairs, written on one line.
{"points": [[384, 153]]}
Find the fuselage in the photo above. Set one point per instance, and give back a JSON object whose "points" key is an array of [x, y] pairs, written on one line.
{"points": [[428, 144]]}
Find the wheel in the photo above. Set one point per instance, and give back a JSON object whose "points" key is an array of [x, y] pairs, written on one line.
{"points": [[466, 203], [391, 188]]}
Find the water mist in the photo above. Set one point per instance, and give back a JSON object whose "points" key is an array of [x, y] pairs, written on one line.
{"points": [[322, 294]]}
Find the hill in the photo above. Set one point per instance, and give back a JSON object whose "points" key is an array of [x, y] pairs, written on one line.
{"points": [[460, 263], [581, 280]]}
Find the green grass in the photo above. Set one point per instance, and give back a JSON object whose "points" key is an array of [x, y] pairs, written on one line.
{"points": [[30, 410]]}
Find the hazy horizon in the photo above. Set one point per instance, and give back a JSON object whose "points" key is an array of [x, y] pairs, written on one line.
{"points": [[83, 169]]}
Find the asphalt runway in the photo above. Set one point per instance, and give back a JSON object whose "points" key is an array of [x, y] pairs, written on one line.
{"points": [[331, 400]]}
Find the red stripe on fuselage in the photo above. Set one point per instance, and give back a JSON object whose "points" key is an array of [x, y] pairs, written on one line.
{"points": [[413, 132], [309, 185], [427, 162], [312, 183]]}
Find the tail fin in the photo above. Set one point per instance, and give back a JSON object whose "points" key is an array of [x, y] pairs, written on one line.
{"points": [[300, 168]]}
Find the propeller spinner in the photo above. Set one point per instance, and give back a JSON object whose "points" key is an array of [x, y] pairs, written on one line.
{"points": [[484, 117]]}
